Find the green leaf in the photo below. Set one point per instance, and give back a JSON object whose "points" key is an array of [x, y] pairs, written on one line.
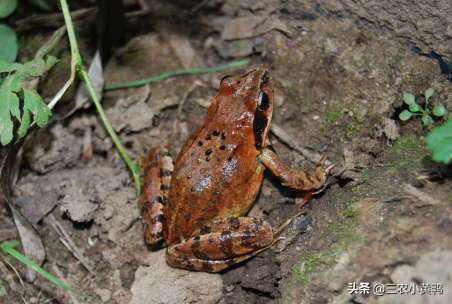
{"points": [[439, 141], [7, 7], [405, 115], [6, 129], [13, 82], [13, 102], [50, 62], [35, 68], [414, 107], [8, 103], [439, 110], [9, 48], [6, 67], [429, 93], [34, 102], [426, 120], [24, 124], [409, 98]]}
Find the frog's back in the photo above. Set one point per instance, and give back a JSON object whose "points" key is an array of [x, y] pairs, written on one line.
{"points": [[216, 175]]}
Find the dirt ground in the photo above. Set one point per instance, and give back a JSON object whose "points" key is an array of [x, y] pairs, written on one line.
{"points": [[339, 88]]}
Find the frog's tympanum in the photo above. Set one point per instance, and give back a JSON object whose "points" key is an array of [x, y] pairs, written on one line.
{"points": [[198, 205]]}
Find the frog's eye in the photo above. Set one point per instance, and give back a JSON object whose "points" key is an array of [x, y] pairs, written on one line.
{"points": [[263, 101], [226, 80]]}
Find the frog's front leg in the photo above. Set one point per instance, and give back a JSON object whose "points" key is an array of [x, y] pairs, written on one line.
{"points": [[157, 168], [295, 179], [221, 245]]}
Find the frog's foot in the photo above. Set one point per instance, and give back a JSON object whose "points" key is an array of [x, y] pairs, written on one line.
{"points": [[157, 168], [295, 179], [221, 245]]}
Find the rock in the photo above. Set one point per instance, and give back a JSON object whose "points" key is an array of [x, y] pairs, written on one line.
{"points": [[76, 204], [36, 197], [252, 25], [403, 273], [431, 269], [132, 113], [341, 275], [55, 152], [159, 283], [426, 24], [181, 46], [390, 129], [104, 294], [423, 199], [235, 48]]}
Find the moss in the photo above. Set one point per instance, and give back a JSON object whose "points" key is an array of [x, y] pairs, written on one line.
{"points": [[352, 130], [350, 211], [333, 115], [406, 144], [361, 61], [345, 234], [407, 153]]}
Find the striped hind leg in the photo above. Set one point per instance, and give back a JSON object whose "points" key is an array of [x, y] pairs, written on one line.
{"points": [[157, 168], [222, 245]]}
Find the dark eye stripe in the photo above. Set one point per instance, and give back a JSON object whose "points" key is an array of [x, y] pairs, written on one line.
{"points": [[259, 125], [263, 102]]}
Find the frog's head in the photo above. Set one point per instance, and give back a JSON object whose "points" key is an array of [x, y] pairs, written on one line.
{"points": [[253, 93]]}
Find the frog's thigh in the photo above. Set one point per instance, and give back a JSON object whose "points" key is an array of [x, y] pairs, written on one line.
{"points": [[223, 244], [157, 168], [296, 179]]}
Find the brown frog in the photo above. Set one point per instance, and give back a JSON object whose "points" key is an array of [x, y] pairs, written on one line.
{"points": [[198, 206]]}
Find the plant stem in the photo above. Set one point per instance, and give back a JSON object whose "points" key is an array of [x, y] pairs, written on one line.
{"points": [[8, 248], [83, 74], [166, 75]]}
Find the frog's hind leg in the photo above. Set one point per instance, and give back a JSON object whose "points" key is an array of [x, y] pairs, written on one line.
{"points": [[157, 168], [221, 245]]}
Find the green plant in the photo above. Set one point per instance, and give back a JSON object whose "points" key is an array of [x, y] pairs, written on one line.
{"points": [[17, 102], [8, 37], [166, 75], [8, 248], [439, 141], [414, 109]]}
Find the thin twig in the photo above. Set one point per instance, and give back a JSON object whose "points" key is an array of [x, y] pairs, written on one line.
{"points": [[14, 270], [67, 241]]}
